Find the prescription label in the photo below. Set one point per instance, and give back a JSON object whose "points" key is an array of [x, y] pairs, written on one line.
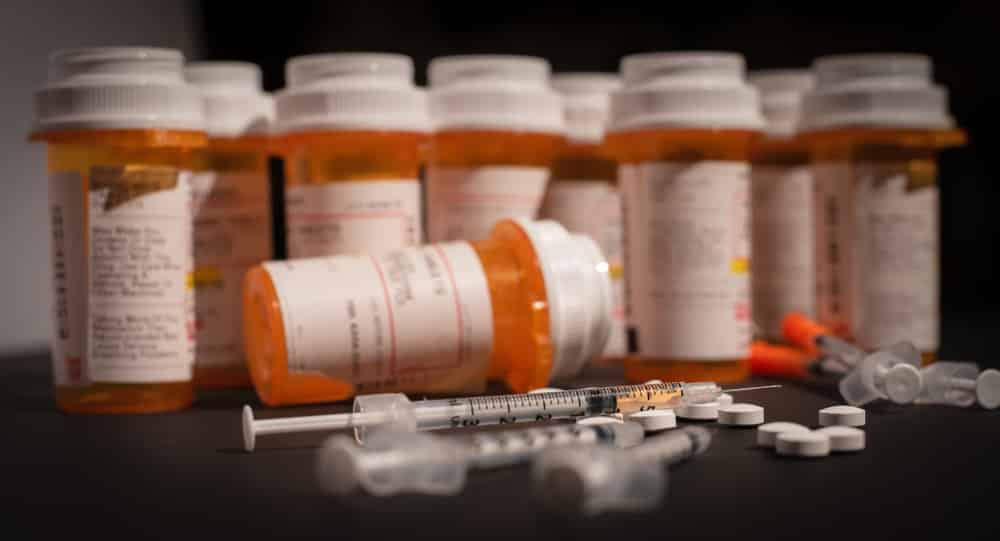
{"points": [[140, 300], [594, 208], [67, 215], [464, 203], [888, 264], [690, 242], [344, 217], [783, 275], [232, 232], [415, 318]]}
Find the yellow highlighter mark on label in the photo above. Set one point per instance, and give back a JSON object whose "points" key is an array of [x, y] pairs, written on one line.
{"points": [[739, 265], [204, 276]]}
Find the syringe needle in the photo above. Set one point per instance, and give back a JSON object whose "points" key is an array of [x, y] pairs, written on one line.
{"points": [[759, 388]]}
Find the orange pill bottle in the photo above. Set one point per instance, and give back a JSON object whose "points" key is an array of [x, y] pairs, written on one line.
{"points": [[232, 213], [582, 194], [781, 186], [875, 124], [682, 129], [497, 128], [351, 128], [530, 302], [121, 127]]}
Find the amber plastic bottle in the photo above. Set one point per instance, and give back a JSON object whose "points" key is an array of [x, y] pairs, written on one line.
{"points": [[582, 193], [530, 303], [783, 277], [682, 130], [351, 128], [875, 125], [232, 213], [121, 127], [497, 129]]}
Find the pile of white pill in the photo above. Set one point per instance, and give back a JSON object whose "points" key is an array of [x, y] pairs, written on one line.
{"points": [[838, 434]]}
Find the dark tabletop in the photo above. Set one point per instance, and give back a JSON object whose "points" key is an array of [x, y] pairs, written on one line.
{"points": [[927, 472]]}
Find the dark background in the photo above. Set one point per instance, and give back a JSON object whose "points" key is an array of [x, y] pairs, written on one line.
{"points": [[579, 37]]}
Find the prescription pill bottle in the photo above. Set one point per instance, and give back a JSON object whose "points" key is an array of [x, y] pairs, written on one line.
{"points": [[121, 127], [875, 124], [232, 213], [682, 130], [781, 201], [351, 127], [530, 302], [498, 126], [582, 194]]}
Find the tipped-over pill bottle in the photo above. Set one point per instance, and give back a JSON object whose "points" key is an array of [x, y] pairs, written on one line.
{"points": [[781, 201], [682, 130], [875, 124], [497, 128], [530, 303], [351, 127], [582, 194], [121, 127], [232, 213]]}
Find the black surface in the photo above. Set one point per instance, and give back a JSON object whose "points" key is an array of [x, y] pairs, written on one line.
{"points": [[927, 472]]}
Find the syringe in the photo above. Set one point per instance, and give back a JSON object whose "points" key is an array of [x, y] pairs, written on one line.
{"points": [[381, 409], [393, 461]]}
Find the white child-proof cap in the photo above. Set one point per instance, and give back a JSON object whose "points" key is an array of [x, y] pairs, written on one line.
{"points": [[586, 102], [875, 90], [493, 92], [781, 94], [351, 91], [578, 291], [233, 101], [685, 90], [117, 88]]}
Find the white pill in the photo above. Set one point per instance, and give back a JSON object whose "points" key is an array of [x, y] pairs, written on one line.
{"points": [[654, 382], [725, 399], [612, 419], [741, 415], [844, 438], [546, 390], [654, 420], [768, 432], [806, 444], [842, 416], [704, 411]]}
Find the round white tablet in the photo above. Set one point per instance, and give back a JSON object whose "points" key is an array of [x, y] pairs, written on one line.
{"points": [[842, 416], [768, 432], [741, 415], [546, 390], [844, 438], [601, 420], [704, 411], [805, 444], [725, 399], [654, 420]]}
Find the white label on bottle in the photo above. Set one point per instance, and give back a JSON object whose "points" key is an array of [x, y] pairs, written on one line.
{"points": [[352, 217], [783, 235], [411, 318], [232, 232], [692, 283], [141, 305], [68, 278], [886, 264], [594, 208], [464, 203]]}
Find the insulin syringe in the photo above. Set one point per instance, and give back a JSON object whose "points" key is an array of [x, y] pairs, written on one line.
{"points": [[397, 409]]}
